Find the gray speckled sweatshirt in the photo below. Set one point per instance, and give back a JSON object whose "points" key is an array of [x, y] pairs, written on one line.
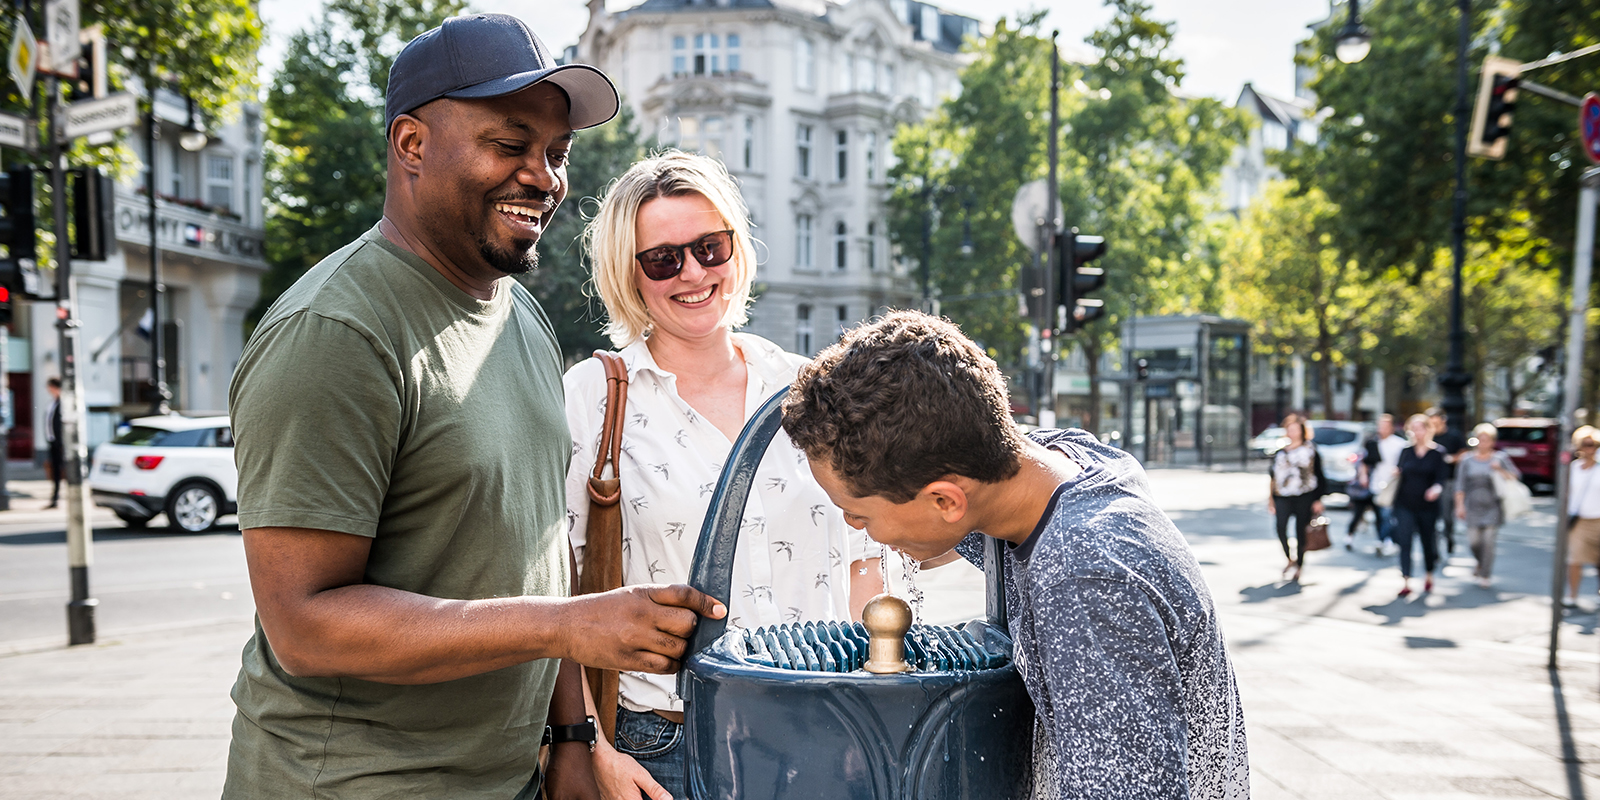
{"points": [[1119, 643]]}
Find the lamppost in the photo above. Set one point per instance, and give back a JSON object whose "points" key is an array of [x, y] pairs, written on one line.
{"points": [[1354, 40], [1455, 378], [191, 139]]}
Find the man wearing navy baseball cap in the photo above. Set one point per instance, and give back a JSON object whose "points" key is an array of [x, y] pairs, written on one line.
{"points": [[402, 447]]}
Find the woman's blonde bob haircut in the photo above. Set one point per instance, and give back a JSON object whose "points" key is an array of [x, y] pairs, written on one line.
{"points": [[611, 242]]}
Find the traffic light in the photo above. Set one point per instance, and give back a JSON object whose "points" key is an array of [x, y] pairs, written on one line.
{"points": [[92, 213], [1141, 369], [1502, 101], [90, 82], [1491, 115], [1077, 280], [16, 233]]}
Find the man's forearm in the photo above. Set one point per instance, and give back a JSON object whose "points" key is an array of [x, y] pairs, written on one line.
{"points": [[387, 635]]}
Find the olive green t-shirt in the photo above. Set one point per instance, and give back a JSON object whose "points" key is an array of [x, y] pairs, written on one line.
{"points": [[377, 399]]}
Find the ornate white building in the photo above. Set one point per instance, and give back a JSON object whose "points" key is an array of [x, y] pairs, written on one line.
{"points": [[800, 98]]}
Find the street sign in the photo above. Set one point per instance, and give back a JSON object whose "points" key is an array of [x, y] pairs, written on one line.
{"points": [[17, 131], [23, 59], [61, 32], [1028, 213], [120, 110], [1589, 126]]}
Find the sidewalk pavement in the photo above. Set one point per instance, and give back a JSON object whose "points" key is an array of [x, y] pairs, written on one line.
{"points": [[1337, 709]]}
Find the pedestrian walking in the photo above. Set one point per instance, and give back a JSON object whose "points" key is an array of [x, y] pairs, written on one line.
{"points": [[52, 437], [1362, 499], [1583, 509], [1383, 464], [1422, 476], [1455, 446], [1297, 487], [402, 444], [674, 262], [1477, 504]]}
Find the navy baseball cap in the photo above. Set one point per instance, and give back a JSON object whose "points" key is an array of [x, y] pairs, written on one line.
{"points": [[490, 55]]}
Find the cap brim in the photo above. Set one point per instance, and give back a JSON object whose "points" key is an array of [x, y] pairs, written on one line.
{"points": [[593, 97]]}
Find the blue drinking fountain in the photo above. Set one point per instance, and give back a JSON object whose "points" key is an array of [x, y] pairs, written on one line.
{"points": [[812, 711]]}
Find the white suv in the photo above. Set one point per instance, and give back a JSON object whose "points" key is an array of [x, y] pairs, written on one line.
{"points": [[180, 466]]}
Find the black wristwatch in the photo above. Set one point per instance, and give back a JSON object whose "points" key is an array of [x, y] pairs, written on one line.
{"points": [[585, 731]]}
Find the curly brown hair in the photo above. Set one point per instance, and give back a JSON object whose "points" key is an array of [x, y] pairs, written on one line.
{"points": [[901, 402]]}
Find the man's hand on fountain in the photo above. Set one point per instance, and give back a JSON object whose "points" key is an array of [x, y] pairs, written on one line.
{"points": [[642, 628]]}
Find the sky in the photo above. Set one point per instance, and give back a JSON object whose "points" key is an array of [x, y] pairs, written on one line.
{"points": [[1224, 43]]}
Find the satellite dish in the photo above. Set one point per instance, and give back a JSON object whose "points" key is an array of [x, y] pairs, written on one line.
{"points": [[1028, 212]]}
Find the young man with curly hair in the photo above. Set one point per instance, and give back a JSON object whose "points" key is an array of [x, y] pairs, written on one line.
{"points": [[907, 427]]}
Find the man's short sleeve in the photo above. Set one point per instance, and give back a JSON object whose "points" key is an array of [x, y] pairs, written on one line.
{"points": [[317, 421]]}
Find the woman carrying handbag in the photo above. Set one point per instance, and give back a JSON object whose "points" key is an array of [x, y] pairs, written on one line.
{"points": [[1297, 489], [1483, 478]]}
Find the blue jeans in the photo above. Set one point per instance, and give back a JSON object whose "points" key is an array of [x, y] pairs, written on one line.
{"points": [[1385, 524], [657, 744]]}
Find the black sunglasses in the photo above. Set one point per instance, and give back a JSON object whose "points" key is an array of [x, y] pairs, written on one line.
{"points": [[665, 262]]}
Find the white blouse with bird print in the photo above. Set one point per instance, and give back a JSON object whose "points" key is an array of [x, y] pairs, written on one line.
{"points": [[794, 548]]}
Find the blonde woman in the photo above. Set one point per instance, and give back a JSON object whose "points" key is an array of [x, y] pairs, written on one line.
{"points": [[1583, 509], [673, 263], [1477, 504]]}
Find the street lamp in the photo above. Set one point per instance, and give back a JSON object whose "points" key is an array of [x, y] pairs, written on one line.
{"points": [[193, 138], [1354, 40]]}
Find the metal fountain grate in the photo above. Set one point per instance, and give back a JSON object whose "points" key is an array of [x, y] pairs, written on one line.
{"points": [[832, 647]]}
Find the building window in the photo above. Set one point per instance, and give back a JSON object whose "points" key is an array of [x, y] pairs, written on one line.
{"points": [[680, 55], [925, 88], [219, 181], [870, 146], [841, 245], [930, 23], [844, 322], [841, 155], [733, 52], [805, 65], [872, 245], [689, 134], [749, 143], [802, 241], [842, 73], [802, 139], [866, 75], [802, 330], [886, 80]]}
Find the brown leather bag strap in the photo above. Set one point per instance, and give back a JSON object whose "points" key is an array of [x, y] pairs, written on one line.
{"points": [[610, 449]]}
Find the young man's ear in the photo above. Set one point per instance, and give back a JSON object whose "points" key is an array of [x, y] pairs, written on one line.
{"points": [[949, 499]]}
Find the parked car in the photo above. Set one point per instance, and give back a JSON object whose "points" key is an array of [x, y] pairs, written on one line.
{"points": [[1340, 445], [1533, 443], [178, 466], [1268, 442]]}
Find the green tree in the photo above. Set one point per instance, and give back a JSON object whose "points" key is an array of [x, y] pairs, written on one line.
{"points": [[1140, 167], [1137, 163], [966, 161], [1287, 275]]}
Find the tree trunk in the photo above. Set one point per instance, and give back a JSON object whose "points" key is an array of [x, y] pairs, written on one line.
{"points": [[1357, 388]]}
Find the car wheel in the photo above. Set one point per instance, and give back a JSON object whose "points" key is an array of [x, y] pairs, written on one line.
{"points": [[193, 507], [132, 521]]}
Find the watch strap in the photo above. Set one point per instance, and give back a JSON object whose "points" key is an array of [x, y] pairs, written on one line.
{"points": [[584, 731]]}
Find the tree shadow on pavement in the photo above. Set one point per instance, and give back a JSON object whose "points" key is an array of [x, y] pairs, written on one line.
{"points": [[111, 535]]}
